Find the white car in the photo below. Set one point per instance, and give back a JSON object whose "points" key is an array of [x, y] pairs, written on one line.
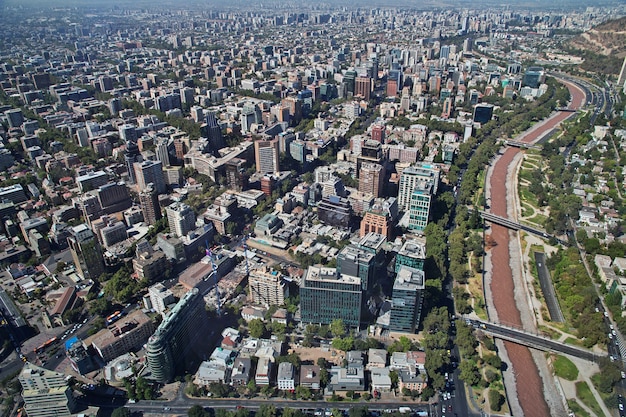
{"points": [[623, 375], [621, 407]]}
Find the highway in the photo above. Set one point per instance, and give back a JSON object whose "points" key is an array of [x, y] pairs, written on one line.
{"points": [[547, 288], [181, 405]]}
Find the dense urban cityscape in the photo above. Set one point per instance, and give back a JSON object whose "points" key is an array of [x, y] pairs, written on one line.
{"points": [[334, 210]]}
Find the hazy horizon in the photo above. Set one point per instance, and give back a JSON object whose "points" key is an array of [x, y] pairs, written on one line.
{"points": [[199, 4]]}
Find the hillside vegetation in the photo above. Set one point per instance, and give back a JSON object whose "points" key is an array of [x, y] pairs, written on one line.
{"points": [[603, 48]]}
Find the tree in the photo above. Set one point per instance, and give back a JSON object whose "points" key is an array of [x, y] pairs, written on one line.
{"points": [[322, 363], [324, 377], [496, 400], [218, 390], [393, 375], [427, 393], [303, 393], [256, 328], [266, 410], [337, 328], [252, 388], [268, 391], [197, 411], [344, 344], [359, 411], [121, 412], [292, 412], [469, 372]]}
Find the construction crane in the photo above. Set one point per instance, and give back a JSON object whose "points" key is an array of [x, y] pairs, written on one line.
{"points": [[244, 245], [209, 253]]}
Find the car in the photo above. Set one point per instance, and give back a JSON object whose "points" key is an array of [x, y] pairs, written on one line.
{"points": [[166, 408], [621, 407], [606, 314], [623, 374], [610, 335]]}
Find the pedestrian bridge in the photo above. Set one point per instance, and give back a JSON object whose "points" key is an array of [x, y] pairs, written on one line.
{"points": [[532, 340]]}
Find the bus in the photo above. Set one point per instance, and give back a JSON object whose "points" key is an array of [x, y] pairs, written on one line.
{"points": [[44, 345], [114, 317]]}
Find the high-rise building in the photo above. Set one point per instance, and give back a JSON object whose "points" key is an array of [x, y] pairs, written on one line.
{"points": [[349, 79], [376, 222], [266, 156], [335, 211], [181, 218], [168, 347], [149, 201], [412, 177], [213, 132], [412, 253], [325, 296], [128, 334], [46, 393], [371, 179], [363, 87], [483, 113], [160, 297], [162, 152], [267, 287], [378, 133], [392, 88], [357, 262], [128, 132], [130, 157], [150, 266], [147, 172], [419, 206], [448, 107], [533, 77], [236, 174], [86, 252], [407, 299]]}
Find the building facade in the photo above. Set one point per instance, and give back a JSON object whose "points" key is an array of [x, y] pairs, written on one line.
{"points": [[266, 156], [45, 393], [167, 347], [181, 218], [267, 287], [86, 252], [407, 300], [326, 296]]}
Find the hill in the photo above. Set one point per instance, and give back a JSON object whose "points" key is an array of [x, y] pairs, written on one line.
{"points": [[603, 47], [608, 38]]}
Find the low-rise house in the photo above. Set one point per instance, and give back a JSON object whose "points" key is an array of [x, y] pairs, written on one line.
{"points": [[223, 357], [251, 313], [210, 372], [380, 379], [376, 358], [285, 379], [412, 381], [310, 376], [351, 378], [280, 316], [263, 374], [241, 372]]}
